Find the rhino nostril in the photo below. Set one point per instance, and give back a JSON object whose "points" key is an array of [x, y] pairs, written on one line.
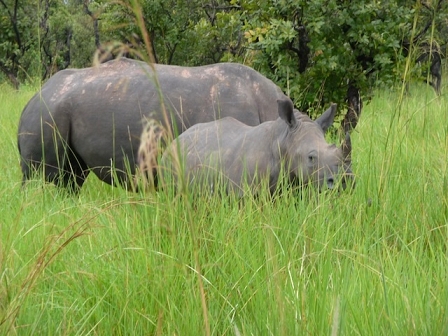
{"points": [[330, 183]]}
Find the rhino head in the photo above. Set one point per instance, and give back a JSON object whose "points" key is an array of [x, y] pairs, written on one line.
{"points": [[311, 159]]}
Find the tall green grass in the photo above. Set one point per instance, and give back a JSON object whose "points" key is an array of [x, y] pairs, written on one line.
{"points": [[109, 262]]}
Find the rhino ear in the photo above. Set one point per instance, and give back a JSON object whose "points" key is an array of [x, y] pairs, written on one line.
{"points": [[326, 119], [286, 111]]}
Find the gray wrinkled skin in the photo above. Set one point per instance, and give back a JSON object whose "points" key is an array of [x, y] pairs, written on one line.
{"points": [[92, 119], [228, 151]]}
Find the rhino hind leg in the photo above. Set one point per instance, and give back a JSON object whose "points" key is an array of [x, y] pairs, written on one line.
{"points": [[74, 174], [69, 172]]}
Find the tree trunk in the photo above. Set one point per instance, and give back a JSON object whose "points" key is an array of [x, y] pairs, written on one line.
{"points": [[11, 75], [96, 30]]}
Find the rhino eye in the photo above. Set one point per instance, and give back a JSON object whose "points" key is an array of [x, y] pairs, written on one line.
{"points": [[311, 159]]}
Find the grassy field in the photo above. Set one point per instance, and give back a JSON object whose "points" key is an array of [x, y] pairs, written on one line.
{"points": [[109, 262]]}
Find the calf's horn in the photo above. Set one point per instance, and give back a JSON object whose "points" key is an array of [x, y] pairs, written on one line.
{"points": [[347, 148]]}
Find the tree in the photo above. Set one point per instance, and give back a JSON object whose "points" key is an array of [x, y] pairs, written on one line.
{"points": [[40, 38], [326, 51], [86, 37], [56, 32], [318, 51], [16, 37], [171, 24]]}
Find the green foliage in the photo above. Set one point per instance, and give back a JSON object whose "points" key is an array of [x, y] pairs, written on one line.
{"points": [[312, 49], [55, 27], [82, 46], [181, 32], [36, 38], [348, 41], [17, 37]]}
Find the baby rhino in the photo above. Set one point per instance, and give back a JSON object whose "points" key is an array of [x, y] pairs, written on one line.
{"points": [[230, 152]]}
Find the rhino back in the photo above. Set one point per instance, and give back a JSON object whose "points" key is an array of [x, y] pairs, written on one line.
{"points": [[226, 149], [116, 109], [191, 94]]}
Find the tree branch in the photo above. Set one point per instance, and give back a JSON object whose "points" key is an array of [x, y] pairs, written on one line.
{"points": [[10, 74], [13, 20], [95, 23]]}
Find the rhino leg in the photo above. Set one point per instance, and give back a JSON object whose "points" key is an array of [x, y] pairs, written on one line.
{"points": [[74, 172], [46, 151], [67, 171]]}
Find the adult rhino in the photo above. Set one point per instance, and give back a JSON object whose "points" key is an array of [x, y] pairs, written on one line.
{"points": [[230, 152], [91, 119]]}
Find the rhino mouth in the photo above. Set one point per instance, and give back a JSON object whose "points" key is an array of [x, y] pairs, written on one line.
{"points": [[342, 182]]}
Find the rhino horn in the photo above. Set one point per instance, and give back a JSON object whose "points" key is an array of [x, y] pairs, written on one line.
{"points": [[347, 148], [326, 119], [349, 178]]}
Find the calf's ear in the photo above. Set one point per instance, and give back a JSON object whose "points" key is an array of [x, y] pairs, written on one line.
{"points": [[286, 111], [326, 119]]}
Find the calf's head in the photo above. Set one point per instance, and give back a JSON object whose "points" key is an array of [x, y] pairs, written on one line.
{"points": [[311, 160]]}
